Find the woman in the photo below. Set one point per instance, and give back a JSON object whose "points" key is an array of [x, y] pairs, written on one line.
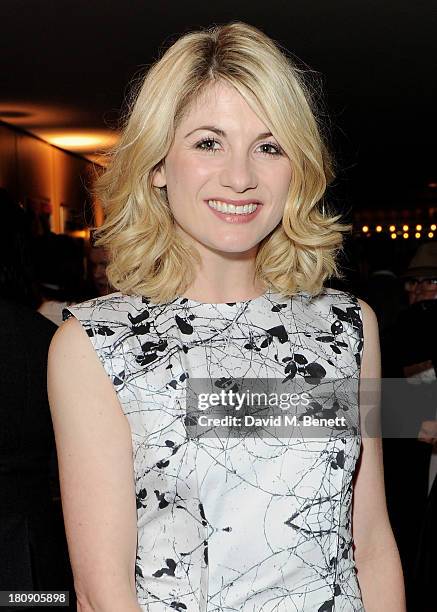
{"points": [[219, 251]]}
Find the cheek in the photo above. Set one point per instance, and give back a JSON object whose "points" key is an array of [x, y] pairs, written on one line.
{"points": [[186, 172], [280, 179], [287, 176], [186, 178], [280, 173], [280, 184]]}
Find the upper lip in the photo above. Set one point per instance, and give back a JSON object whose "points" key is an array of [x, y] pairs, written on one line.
{"points": [[235, 202]]}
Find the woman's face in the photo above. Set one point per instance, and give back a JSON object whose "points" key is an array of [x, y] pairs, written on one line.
{"points": [[227, 178]]}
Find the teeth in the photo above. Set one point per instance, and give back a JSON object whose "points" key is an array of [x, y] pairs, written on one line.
{"points": [[231, 208]]}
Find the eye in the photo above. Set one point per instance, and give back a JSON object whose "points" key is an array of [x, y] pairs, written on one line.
{"points": [[271, 149], [207, 144]]}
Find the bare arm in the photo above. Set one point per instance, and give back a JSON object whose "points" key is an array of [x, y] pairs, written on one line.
{"points": [[376, 554], [94, 449]]}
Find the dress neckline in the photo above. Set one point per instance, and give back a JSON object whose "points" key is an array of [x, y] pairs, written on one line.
{"points": [[190, 302]]}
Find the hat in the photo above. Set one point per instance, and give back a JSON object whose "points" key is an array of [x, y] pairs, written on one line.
{"points": [[424, 262]]}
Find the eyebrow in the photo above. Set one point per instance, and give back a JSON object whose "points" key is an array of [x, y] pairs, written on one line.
{"points": [[220, 132]]}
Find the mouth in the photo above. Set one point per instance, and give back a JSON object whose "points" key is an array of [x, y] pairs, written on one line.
{"points": [[236, 208]]}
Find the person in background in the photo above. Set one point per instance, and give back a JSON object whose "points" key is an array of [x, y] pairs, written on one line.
{"points": [[409, 352], [33, 551], [420, 348], [425, 569], [97, 262], [60, 273]]}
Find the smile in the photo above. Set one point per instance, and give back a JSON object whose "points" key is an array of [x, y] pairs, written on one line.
{"points": [[233, 209], [235, 212]]}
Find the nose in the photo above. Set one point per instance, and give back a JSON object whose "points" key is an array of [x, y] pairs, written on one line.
{"points": [[238, 173]]}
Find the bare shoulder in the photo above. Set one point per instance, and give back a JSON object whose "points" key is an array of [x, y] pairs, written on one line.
{"points": [[71, 359], [77, 381], [68, 324], [70, 334]]}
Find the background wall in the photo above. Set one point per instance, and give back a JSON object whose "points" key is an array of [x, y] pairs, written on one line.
{"points": [[54, 183]]}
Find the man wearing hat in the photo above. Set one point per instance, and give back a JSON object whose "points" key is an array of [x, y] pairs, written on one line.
{"points": [[409, 351], [421, 274]]}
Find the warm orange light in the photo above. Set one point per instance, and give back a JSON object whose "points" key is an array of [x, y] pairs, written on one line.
{"points": [[365, 228], [75, 142], [80, 233], [379, 228], [433, 227], [417, 235], [45, 122], [393, 235], [405, 235], [405, 228], [81, 141], [418, 227], [392, 228], [430, 234]]}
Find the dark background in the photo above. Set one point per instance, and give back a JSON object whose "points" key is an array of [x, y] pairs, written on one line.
{"points": [[375, 60]]}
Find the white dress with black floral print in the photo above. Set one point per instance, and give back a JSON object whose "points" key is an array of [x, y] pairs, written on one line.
{"points": [[234, 523]]}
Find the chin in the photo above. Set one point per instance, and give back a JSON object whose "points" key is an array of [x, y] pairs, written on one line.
{"points": [[237, 247], [224, 243]]}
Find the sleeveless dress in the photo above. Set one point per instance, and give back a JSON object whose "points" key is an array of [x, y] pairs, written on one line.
{"points": [[234, 523]]}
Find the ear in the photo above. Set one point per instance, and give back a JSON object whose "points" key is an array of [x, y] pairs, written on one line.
{"points": [[159, 178]]}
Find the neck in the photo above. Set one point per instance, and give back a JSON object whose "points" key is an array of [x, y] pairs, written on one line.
{"points": [[225, 277]]}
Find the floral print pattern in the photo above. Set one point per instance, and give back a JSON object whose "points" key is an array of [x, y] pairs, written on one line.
{"points": [[224, 524]]}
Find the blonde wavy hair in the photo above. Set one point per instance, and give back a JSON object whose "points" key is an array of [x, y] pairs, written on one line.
{"points": [[147, 256]]}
